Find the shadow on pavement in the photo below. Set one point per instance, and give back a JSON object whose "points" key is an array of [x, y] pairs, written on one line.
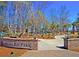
{"points": [[61, 47]]}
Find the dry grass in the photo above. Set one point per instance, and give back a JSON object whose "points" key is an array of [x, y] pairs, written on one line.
{"points": [[40, 36], [75, 35]]}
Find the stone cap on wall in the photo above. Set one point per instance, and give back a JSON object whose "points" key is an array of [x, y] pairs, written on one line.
{"points": [[18, 38], [73, 39]]}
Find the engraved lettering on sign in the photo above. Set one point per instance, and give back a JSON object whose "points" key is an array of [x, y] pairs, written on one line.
{"points": [[19, 43]]}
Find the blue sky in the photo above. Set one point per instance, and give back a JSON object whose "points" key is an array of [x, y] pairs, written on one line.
{"points": [[72, 7]]}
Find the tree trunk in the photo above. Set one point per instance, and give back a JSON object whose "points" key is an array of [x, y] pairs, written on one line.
{"points": [[73, 29]]}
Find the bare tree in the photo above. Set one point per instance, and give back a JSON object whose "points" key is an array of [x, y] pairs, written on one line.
{"points": [[2, 15], [64, 14]]}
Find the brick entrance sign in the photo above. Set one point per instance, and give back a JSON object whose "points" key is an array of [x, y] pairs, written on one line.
{"points": [[72, 44], [19, 43]]}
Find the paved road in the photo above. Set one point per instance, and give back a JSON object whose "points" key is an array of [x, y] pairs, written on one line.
{"points": [[51, 44], [48, 48], [50, 53]]}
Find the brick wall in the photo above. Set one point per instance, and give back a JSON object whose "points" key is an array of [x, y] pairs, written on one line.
{"points": [[16, 43], [72, 44]]}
